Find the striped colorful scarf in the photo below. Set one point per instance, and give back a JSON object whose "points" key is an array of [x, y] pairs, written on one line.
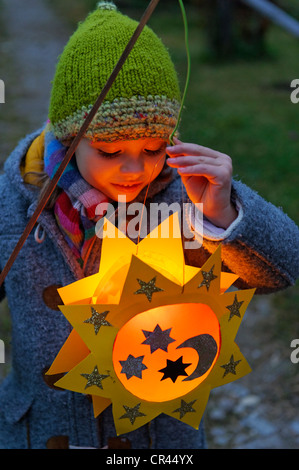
{"points": [[75, 206]]}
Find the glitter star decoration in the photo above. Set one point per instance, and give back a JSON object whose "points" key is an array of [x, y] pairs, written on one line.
{"points": [[185, 408], [133, 366], [148, 288], [235, 308], [174, 369], [208, 277], [158, 338], [97, 320], [94, 378], [132, 413], [230, 367]]}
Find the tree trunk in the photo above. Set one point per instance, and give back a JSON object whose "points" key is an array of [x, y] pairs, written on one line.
{"points": [[220, 26]]}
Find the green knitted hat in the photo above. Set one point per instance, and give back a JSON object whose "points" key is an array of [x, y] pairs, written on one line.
{"points": [[143, 101]]}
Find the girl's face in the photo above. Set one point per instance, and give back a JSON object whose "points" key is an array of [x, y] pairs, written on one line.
{"points": [[123, 167]]}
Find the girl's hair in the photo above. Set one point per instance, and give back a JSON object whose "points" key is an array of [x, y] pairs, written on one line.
{"points": [[42, 179]]}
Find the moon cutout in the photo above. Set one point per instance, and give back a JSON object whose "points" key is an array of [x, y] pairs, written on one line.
{"points": [[206, 348]]}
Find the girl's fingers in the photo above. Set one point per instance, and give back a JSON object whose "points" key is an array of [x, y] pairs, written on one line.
{"points": [[198, 170], [211, 172], [193, 160], [192, 149]]}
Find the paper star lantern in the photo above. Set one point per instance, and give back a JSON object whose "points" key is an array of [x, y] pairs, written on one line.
{"points": [[150, 334]]}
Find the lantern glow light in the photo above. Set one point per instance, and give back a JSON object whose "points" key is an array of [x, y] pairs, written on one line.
{"points": [[150, 334]]}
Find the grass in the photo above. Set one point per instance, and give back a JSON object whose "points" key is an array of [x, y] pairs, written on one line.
{"points": [[239, 109]]}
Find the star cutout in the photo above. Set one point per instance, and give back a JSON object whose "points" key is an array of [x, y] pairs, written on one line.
{"points": [[97, 320], [230, 367], [132, 413], [185, 408], [133, 366], [158, 339], [235, 308], [208, 277], [148, 288], [94, 378], [174, 369]]}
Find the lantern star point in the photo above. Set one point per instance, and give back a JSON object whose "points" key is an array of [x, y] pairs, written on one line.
{"points": [[97, 320], [133, 366], [148, 288], [185, 408], [235, 308], [230, 367], [132, 413], [94, 378], [208, 277], [158, 338], [173, 369]]}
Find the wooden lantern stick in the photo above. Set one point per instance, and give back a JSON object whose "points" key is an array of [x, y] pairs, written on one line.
{"points": [[52, 183]]}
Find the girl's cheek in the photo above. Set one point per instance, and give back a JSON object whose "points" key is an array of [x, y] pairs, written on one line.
{"points": [[156, 168], [160, 166]]}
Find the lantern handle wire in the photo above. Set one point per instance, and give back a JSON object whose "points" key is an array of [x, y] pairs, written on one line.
{"points": [[71, 150], [188, 74]]}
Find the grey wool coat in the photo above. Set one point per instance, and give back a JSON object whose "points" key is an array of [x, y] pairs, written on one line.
{"points": [[261, 247]]}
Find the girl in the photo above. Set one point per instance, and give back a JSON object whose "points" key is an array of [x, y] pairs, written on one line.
{"points": [[123, 151]]}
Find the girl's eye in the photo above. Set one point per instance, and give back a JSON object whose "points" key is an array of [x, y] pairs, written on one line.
{"points": [[147, 151], [155, 152], [108, 155]]}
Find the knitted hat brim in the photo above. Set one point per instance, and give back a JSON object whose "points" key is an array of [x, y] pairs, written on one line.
{"points": [[125, 118]]}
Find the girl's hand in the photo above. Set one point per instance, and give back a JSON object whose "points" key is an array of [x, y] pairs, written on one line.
{"points": [[206, 175]]}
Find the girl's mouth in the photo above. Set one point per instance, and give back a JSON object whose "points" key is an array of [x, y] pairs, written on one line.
{"points": [[127, 187]]}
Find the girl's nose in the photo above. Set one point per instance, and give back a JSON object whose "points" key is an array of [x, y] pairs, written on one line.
{"points": [[132, 165]]}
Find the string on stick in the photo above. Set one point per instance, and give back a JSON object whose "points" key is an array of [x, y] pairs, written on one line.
{"points": [[188, 74]]}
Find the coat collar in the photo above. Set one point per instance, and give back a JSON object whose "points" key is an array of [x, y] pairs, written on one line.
{"points": [[30, 193]]}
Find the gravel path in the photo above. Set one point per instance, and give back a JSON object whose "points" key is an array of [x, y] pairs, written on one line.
{"points": [[35, 39], [258, 411]]}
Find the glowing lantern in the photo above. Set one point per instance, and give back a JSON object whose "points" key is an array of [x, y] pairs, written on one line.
{"points": [[150, 334]]}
